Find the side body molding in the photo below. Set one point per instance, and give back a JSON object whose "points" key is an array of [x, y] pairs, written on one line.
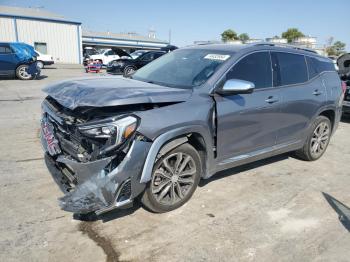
{"points": [[161, 140]]}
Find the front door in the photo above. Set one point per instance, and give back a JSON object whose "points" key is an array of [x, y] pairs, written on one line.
{"points": [[248, 122]]}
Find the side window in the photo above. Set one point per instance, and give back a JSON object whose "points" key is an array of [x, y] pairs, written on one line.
{"points": [[156, 55], [255, 68], [5, 49], [292, 68], [147, 57], [311, 66]]}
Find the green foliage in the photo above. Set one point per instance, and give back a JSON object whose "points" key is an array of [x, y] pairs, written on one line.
{"points": [[336, 49], [229, 35], [243, 37], [291, 34]]}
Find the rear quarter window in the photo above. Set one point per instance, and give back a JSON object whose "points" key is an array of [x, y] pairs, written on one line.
{"points": [[292, 68], [318, 65], [324, 65]]}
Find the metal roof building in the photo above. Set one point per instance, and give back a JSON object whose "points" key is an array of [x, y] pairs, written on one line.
{"points": [[126, 41], [62, 38]]}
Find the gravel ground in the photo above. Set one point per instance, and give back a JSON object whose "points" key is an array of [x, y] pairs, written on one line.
{"points": [[271, 210]]}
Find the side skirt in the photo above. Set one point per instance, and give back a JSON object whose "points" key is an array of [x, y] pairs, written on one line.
{"points": [[257, 155]]}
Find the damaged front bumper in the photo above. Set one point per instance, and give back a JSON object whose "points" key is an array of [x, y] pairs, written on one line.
{"points": [[89, 187]]}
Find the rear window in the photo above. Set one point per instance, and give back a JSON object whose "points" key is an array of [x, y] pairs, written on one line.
{"points": [[292, 68]]}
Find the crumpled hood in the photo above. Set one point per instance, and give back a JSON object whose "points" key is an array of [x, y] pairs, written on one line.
{"points": [[112, 91]]}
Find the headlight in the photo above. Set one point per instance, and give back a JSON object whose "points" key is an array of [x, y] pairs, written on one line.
{"points": [[118, 63], [120, 129]]}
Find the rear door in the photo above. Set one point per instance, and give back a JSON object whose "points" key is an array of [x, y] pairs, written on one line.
{"points": [[7, 60], [303, 93], [248, 122]]}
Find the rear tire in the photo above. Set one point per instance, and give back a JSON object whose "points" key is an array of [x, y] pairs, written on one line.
{"points": [[21, 73], [174, 179], [317, 141]]}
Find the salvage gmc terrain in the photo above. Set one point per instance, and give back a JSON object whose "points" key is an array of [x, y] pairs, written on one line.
{"points": [[182, 118]]}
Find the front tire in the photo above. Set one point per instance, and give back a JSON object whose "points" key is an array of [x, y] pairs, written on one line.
{"points": [[22, 73], [317, 141], [174, 179], [40, 64], [128, 71]]}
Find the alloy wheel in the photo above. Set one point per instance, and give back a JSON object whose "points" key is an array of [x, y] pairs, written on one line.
{"points": [[173, 178], [129, 71], [320, 139], [23, 73]]}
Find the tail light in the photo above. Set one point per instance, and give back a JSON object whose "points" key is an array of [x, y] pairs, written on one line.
{"points": [[343, 86]]}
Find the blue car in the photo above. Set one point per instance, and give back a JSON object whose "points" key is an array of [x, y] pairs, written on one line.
{"points": [[18, 59]]}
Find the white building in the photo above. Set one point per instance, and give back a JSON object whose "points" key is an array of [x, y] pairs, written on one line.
{"points": [[47, 32], [127, 41], [64, 39], [306, 42], [252, 41], [277, 40]]}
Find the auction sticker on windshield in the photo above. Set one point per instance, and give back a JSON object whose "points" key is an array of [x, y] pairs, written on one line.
{"points": [[217, 57]]}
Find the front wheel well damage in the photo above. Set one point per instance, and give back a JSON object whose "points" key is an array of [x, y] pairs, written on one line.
{"points": [[194, 139]]}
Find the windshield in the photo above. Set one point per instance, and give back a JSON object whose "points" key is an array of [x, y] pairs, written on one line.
{"points": [[137, 54], [185, 68]]}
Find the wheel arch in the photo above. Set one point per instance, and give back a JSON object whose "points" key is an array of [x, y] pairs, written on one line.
{"points": [[330, 114], [196, 136]]}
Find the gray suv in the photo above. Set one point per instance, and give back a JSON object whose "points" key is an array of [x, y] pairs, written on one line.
{"points": [[182, 118]]}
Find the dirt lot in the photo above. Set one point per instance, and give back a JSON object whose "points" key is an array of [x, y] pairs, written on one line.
{"points": [[272, 210]]}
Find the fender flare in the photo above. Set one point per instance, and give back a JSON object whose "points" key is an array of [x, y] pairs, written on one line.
{"points": [[319, 111], [160, 146]]}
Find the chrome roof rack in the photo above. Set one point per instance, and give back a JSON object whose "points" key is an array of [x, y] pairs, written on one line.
{"points": [[284, 45]]}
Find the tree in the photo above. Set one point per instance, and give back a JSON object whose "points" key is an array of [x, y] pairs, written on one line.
{"points": [[292, 34], [229, 35], [336, 49], [339, 47], [243, 37]]}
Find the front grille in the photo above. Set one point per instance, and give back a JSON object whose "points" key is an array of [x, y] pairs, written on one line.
{"points": [[67, 135]]}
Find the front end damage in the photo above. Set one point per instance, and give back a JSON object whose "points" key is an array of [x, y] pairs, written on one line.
{"points": [[96, 173]]}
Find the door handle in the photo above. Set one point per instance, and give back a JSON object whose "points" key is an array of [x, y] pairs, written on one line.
{"points": [[271, 100], [317, 92]]}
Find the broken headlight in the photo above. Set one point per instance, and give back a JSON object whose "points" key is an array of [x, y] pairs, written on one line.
{"points": [[119, 129]]}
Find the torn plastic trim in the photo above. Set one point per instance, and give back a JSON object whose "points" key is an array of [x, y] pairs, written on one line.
{"points": [[161, 140], [97, 190]]}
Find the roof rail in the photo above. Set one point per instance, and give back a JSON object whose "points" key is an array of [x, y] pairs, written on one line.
{"points": [[285, 46]]}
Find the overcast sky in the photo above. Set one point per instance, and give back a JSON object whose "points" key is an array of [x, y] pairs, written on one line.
{"points": [[191, 20]]}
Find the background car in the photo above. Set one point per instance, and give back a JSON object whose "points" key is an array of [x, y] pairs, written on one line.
{"points": [[109, 55], [344, 73], [129, 66], [18, 59], [43, 60]]}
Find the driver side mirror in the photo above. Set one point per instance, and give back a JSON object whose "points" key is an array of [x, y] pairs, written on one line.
{"points": [[236, 86]]}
